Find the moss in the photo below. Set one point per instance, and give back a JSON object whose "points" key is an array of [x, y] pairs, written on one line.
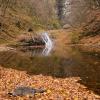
{"points": [[55, 24], [75, 37]]}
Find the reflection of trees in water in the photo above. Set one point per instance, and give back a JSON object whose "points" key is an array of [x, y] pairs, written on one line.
{"points": [[32, 51], [91, 77], [14, 60], [36, 51], [85, 66]]}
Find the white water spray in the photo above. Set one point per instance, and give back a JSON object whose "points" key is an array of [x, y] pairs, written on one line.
{"points": [[48, 43]]}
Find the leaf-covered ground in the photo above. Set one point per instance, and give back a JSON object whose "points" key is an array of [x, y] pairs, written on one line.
{"points": [[57, 88]]}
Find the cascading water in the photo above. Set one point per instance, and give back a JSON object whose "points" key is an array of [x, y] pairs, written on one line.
{"points": [[48, 43], [40, 45], [64, 10]]}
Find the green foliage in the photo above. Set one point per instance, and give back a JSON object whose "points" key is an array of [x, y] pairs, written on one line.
{"points": [[55, 24], [75, 37]]}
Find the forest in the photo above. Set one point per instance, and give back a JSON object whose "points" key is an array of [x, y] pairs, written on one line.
{"points": [[49, 49], [46, 14]]}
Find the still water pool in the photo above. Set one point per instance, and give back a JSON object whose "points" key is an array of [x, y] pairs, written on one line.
{"points": [[60, 63]]}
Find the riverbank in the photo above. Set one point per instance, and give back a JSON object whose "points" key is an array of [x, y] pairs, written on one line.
{"points": [[91, 32], [90, 43], [57, 88]]}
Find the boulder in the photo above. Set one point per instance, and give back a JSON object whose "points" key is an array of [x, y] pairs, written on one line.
{"points": [[66, 26]]}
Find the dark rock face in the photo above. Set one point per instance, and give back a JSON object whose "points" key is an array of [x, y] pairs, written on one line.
{"points": [[32, 42], [60, 6], [37, 42]]}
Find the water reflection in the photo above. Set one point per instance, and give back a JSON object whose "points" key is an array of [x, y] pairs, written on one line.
{"points": [[69, 63], [36, 51]]}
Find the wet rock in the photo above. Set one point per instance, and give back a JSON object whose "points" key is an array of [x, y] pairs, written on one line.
{"points": [[66, 26], [30, 41], [23, 91], [30, 30], [33, 42]]}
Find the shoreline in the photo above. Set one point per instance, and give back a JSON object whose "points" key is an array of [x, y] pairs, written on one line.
{"points": [[57, 88]]}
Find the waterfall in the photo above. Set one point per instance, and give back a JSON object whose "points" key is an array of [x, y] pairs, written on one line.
{"points": [[72, 12], [64, 10], [48, 43]]}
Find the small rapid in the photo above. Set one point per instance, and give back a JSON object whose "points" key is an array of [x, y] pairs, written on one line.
{"points": [[48, 43]]}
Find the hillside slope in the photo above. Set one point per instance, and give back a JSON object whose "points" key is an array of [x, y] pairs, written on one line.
{"points": [[18, 17]]}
